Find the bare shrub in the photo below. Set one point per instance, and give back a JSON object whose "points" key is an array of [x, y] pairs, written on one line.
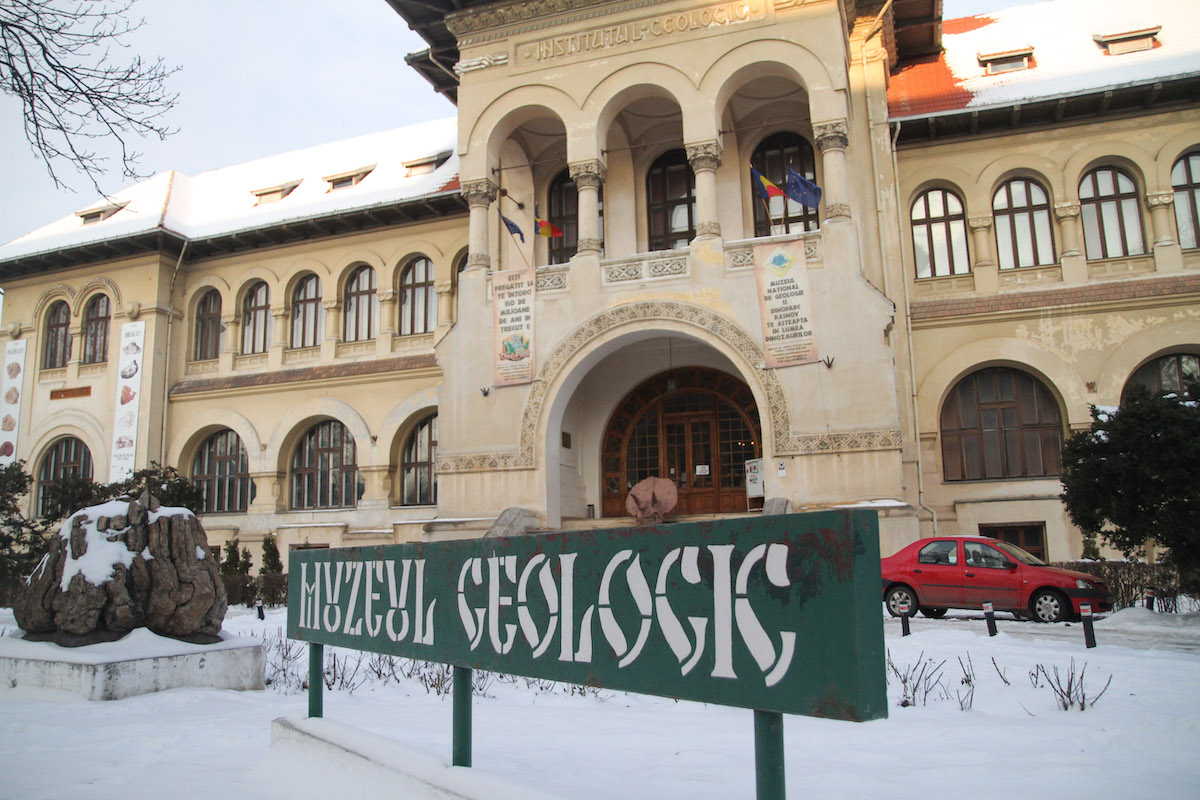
{"points": [[1069, 689], [919, 680]]}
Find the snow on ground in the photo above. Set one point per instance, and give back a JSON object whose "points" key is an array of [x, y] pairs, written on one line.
{"points": [[1140, 740]]}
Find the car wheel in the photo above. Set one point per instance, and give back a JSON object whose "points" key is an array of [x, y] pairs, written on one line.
{"points": [[895, 598], [933, 613], [1049, 606]]}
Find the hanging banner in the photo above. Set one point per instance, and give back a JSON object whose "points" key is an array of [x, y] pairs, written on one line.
{"points": [[129, 389], [512, 301], [11, 387], [783, 301]]}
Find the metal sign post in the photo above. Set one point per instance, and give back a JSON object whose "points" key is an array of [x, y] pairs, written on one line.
{"points": [[776, 614]]}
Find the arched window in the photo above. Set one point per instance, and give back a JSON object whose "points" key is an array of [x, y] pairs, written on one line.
{"points": [[670, 201], [256, 318], [418, 300], [362, 305], [210, 334], [772, 158], [939, 227], [307, 312], [1022, 218], [56, 351], [324, 470], [221, 472], [95, 330], [416, 464], [1000, 423], [563, 211], [1185, 178], [1174, 372], [1112, 222], [67, 458]]}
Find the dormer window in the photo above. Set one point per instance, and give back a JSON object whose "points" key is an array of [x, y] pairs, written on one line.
{"points": [[94, 215], [344, 180], [274, 194], [423, 166], [1007, 60], [1116, 44]]}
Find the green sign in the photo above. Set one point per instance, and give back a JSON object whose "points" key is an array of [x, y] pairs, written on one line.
{"points": [[773, 613]]}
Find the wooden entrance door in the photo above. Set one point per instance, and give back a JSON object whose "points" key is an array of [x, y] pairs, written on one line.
{"points": [[691, 464]]}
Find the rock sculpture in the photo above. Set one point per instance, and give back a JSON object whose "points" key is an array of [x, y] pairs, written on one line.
{"points": [[650, 499], [122, 565]]}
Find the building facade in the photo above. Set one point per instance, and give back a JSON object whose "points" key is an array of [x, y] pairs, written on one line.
{"points": [[1003, 239]]}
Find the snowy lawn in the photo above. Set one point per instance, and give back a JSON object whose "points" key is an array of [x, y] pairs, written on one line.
{"points": [[1140, 740]]}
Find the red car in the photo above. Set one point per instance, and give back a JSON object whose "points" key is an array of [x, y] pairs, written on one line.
{"points": [[945, 572]]}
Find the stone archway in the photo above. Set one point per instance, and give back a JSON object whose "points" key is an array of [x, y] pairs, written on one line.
{"points": [[695, 426]]}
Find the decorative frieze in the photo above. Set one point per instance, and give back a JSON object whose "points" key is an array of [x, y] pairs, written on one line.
{"points": [[550, 279]]}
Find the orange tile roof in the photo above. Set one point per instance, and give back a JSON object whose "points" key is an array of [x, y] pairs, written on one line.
{"points": [[925, 86]]}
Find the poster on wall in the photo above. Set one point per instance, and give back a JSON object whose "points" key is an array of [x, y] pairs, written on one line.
{"points": [[512, 301], [784, 302], [130, 365], [12, 383]]}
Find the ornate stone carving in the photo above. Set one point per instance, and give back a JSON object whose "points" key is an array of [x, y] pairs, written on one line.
{"points": [[387, 295], [785, 442], [833, 135], [330, 304], [589, 246], [704, 155], [708, 229], [1066, 210], [668, 267], [1160, 199], [837, 209], [479, 260], [483, 62], [550, 279], [740, 258], [441, 287], [478, 193], [980, 223], [279, 312], [616, 273], [588, 173]]}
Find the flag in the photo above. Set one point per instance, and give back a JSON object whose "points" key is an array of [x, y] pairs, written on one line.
{"points": [[802, 190], [763, 187], [512, 228], [544, 226]]}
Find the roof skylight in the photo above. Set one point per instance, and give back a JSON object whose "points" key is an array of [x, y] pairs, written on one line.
{"points": [[1116, 44]]}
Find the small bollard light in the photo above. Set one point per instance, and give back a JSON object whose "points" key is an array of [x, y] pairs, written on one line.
{"points": [[990, 615], [1089, 632], [1150, 599], [905, 609]]}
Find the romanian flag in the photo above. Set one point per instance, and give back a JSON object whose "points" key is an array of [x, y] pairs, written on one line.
{"points": [[763, 187], [512, 228], [544, 226]]}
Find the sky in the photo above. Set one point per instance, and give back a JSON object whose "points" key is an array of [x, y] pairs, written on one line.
{"points": [[257, 77]]}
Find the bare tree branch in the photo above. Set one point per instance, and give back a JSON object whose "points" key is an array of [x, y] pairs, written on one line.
{"points": [[57, 58]]}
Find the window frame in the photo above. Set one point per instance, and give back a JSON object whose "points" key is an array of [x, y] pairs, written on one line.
{"points": [[209, 333], [360, 322], [418, 297], [307, 317], [1186, 186], [1033, 217], [771, 159], [1097, 211], [315, 478], [417, 459], [56, 349], [1154, 369], [225, 490], [256, 319], [97, 316], [69, 456], [663, 209], [976, 449], [952, 224]]}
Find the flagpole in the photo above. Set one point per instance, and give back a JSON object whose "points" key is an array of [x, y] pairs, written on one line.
{"points": [[767, 209], [513, 236]]}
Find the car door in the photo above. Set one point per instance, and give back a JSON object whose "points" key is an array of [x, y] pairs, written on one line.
{"points": [[989, 576], [937, 574]]}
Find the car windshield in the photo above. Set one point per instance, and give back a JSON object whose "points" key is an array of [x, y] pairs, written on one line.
{"points": [[1019, 554]]}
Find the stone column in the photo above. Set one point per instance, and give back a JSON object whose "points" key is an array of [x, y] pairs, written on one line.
{"points": [[832, 138], [445, 302], [1072, 259], [589, 177], [479, 194], [333, 327], [387, 322], [377, 486], [985, 267], [1168, 256], [704, 158], [231, 330], [280, 340]]}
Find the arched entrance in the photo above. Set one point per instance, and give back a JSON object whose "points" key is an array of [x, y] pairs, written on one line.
{"points": [[696, 426]]}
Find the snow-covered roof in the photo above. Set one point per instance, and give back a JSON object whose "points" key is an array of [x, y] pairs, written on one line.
{"points": [[1067, 57], [224, 201]]}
